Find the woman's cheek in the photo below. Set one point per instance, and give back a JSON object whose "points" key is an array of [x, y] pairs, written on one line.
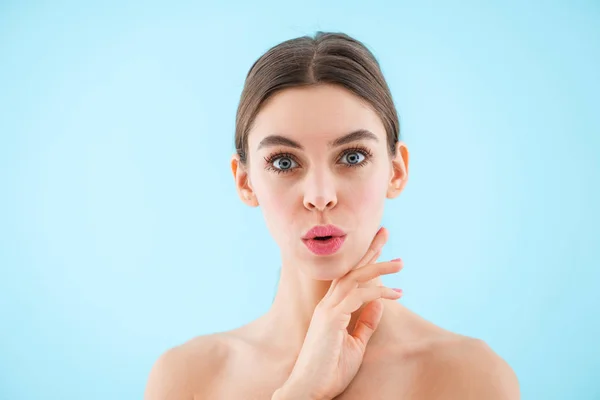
{"points": [[277, 207], [369, 193]]}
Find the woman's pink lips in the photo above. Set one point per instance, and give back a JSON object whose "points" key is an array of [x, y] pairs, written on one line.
{"points": [[325, 247], [323, 230]]}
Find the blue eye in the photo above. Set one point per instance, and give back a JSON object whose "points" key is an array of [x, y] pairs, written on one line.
{"points": [[353, 157], [284, 163]]}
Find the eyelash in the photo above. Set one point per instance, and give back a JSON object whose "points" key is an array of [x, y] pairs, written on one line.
{"points": [[356, 149]]}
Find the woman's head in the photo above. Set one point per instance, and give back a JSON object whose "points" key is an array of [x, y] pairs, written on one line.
{"points": [[317, 143]]}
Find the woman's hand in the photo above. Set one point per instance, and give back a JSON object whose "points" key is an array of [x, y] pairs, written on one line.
{"points": [[330, 356]]}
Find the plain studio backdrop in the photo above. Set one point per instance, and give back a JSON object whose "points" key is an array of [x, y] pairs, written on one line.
{"points": [[121, 233]]}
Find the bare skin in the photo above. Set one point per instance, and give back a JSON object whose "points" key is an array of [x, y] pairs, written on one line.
{"points": [[417, 361], [407, 357]]}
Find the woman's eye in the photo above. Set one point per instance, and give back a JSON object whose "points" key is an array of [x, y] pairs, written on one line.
{"points": [[353, 157], [284, 163]]}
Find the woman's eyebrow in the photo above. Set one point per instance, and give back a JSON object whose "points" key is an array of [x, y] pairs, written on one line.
{"points": [[360, 134], [279, 140]]}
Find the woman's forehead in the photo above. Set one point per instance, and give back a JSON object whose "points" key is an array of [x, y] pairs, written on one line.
{"points": [[317, 113]]}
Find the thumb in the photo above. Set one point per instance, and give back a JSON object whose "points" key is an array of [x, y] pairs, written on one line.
{"points": [[367, 322]]}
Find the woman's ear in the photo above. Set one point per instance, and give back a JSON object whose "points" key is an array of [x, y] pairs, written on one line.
{"points": [[399, 173], [242, 182]]}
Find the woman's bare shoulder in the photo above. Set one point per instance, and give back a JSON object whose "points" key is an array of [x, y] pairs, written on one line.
{"points": [[188, 369], [468, 368]]}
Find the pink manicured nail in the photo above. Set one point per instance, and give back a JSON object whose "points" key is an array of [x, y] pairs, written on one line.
{"points": [[397, 259], [398, 290]]}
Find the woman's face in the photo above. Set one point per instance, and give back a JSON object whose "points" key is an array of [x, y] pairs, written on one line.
{"points": [[319, 156]]}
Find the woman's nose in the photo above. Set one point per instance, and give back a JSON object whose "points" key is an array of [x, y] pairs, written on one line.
{"points": [[320, 203], [320, 193]]}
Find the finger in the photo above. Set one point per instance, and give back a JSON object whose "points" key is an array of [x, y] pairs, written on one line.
{"points": [[372, 254], [380, 239], [353, 279], [335, 282], [373, 271], [360, 296], [373, 259], [367, 322]]}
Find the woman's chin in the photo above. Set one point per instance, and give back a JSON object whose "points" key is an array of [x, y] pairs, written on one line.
{"points": [[328, 269], [325, 276]]}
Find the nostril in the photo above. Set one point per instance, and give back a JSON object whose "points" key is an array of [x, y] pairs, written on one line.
{"points": [[319, 203]]}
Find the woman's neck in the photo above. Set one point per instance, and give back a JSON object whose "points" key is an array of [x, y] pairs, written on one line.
{"points": [[297, 295]]}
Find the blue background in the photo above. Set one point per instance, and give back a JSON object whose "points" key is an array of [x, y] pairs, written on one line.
{"points": [[121, 233]]}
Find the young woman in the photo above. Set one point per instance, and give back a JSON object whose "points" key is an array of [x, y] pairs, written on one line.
{"points": [[318, 149]]}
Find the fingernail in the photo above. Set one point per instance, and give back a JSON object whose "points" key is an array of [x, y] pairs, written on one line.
{"points": [[397, 259], [398, 290]]}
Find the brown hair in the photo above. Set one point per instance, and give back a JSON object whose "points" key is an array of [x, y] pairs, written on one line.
{"points": [[332, 58]]}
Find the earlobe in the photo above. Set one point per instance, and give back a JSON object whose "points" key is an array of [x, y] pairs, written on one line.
{"points": [[399, 174], [242, 182]]}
